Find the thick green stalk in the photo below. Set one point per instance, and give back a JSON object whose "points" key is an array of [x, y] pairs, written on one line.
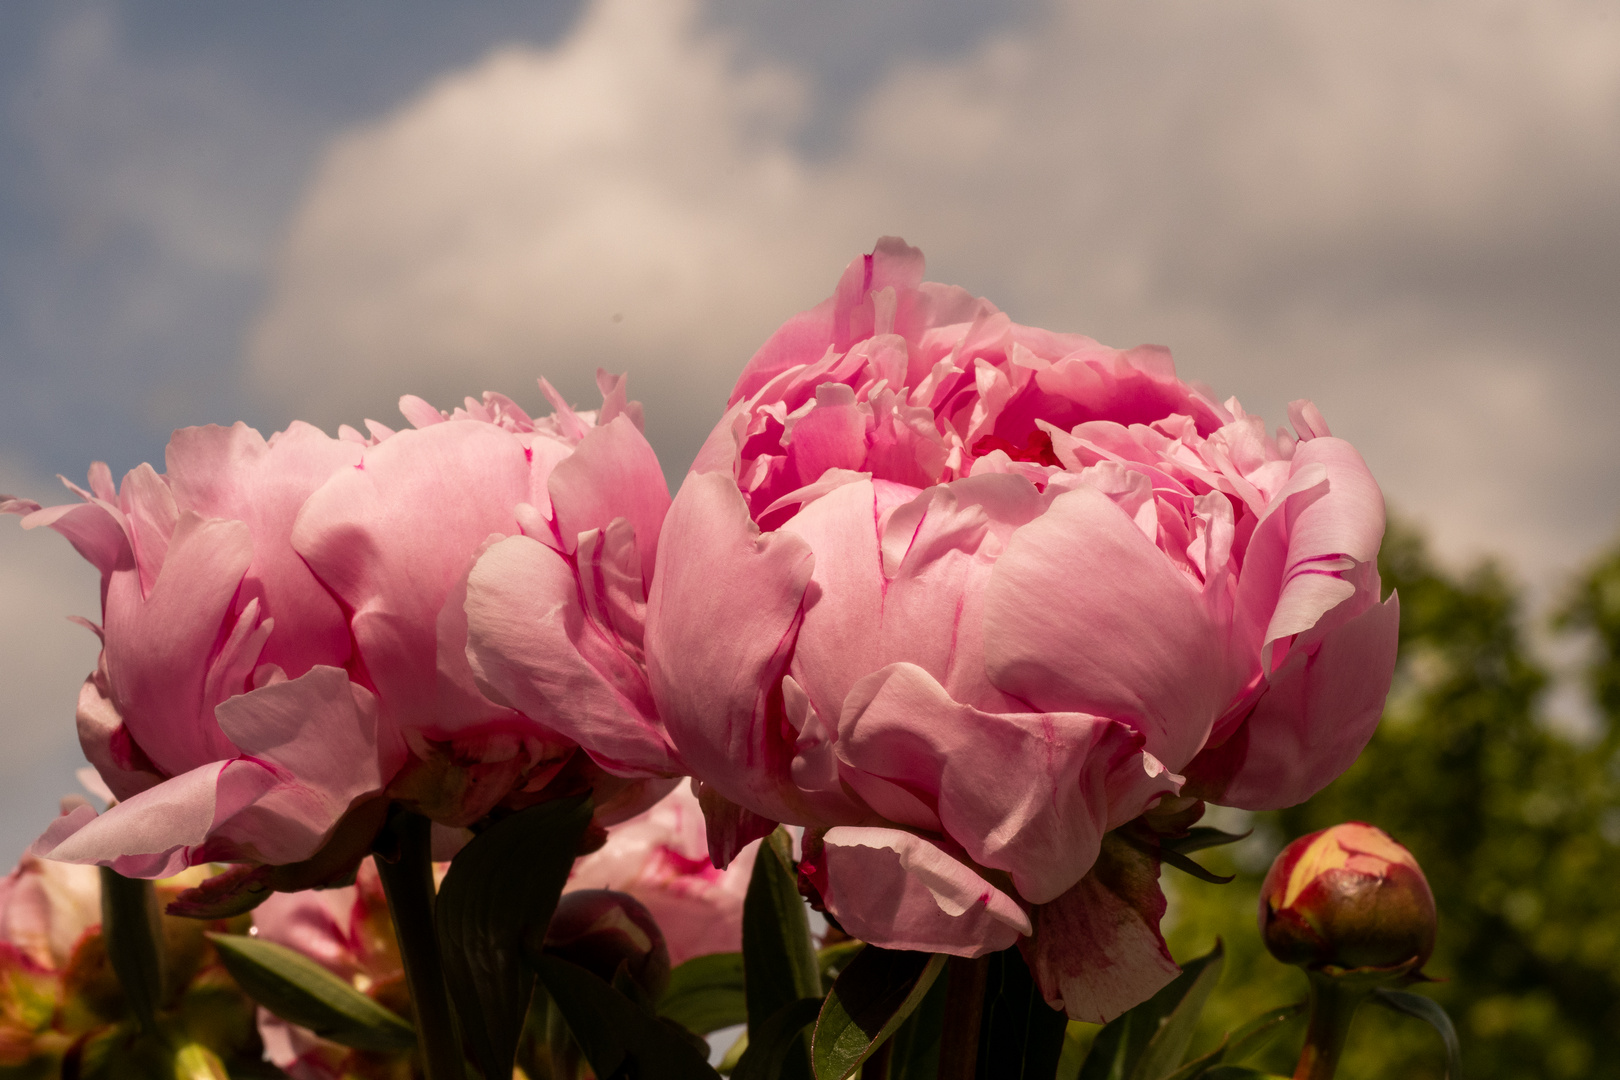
{"points": [[408, 883], [964, 1009], [1333, 1006]]}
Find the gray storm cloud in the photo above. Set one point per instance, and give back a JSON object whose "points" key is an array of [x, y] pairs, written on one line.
{"points": [[1403, 211]]}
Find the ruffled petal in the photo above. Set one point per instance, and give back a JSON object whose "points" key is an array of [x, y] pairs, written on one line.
{"points": [[532, 647], [612, 473], [1077, 775]]}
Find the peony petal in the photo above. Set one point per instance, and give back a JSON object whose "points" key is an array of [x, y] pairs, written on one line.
{"points": [[532, 647], [234, 473], [1312, 719], [158, 646], [1096, 950], [154, 833], [1084, 614], [721, 619], [897, 890], [393, 538], [612, 473], [1078, 775]]}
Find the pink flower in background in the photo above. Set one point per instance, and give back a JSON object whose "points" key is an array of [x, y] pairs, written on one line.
{"points": [[490, 682], [661, 857], [45, 908], [220, 714], [962, 596]]}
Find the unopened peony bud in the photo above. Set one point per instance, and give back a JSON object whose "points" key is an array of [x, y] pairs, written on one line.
{"points": [[1348, 897], [599, 929]]}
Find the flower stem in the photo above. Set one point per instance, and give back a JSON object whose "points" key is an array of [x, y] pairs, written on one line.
{"points": [[964, 1008], [1333, 1006], [407, 881]]}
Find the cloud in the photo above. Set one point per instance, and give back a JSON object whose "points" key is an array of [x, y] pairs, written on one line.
{"points": [[43, 660], [1403, 211]]}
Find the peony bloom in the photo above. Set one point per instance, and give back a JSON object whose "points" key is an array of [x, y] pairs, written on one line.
{"points": [[561, 516], [661, 857], [220, 714], [963, 596], [1349, 898]]}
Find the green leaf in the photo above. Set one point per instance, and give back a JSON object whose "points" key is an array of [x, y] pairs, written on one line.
{"points": [[1165, 1050], [706, 993], [1240, 1072], [495, 904], [914, 1049], [779, 961], [300, 991], [1170, 856], [1241, 1043], [1020, 1035], [1429, 1010], [868, 1002], [1121, 1044], [1200, 837], [132, 929], [772, 1045], [835, 958], [618, 1037]]}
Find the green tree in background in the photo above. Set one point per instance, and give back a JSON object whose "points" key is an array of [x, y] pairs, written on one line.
{"points": [[1516, 824]]}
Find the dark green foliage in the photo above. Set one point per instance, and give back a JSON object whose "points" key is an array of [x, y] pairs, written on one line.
{"points": [[1516, 824], [300, 991]]}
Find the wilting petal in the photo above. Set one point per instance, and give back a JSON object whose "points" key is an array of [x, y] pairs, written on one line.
{"points": [[720, 623], [1096, 951], [897, 890], [1077, 776], [1084, 614]]}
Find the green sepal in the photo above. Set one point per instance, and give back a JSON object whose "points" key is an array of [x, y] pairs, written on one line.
{"points": [[1201, 837], [868, 1002], [706, 993], [300, 991]]}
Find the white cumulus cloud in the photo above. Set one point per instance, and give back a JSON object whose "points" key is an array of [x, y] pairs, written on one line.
{"points": [[1401, 210]]}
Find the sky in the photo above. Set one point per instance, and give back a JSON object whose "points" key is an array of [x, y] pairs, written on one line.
{"points": [[1402, 209]]}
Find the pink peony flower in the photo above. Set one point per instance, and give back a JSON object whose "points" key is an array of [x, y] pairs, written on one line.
{"points": [[565, 512], [962, 596], [661, 857], [220, 714]]}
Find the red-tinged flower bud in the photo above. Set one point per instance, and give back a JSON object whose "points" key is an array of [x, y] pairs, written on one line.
{"points": [[599, 929], [1348, 898]]}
